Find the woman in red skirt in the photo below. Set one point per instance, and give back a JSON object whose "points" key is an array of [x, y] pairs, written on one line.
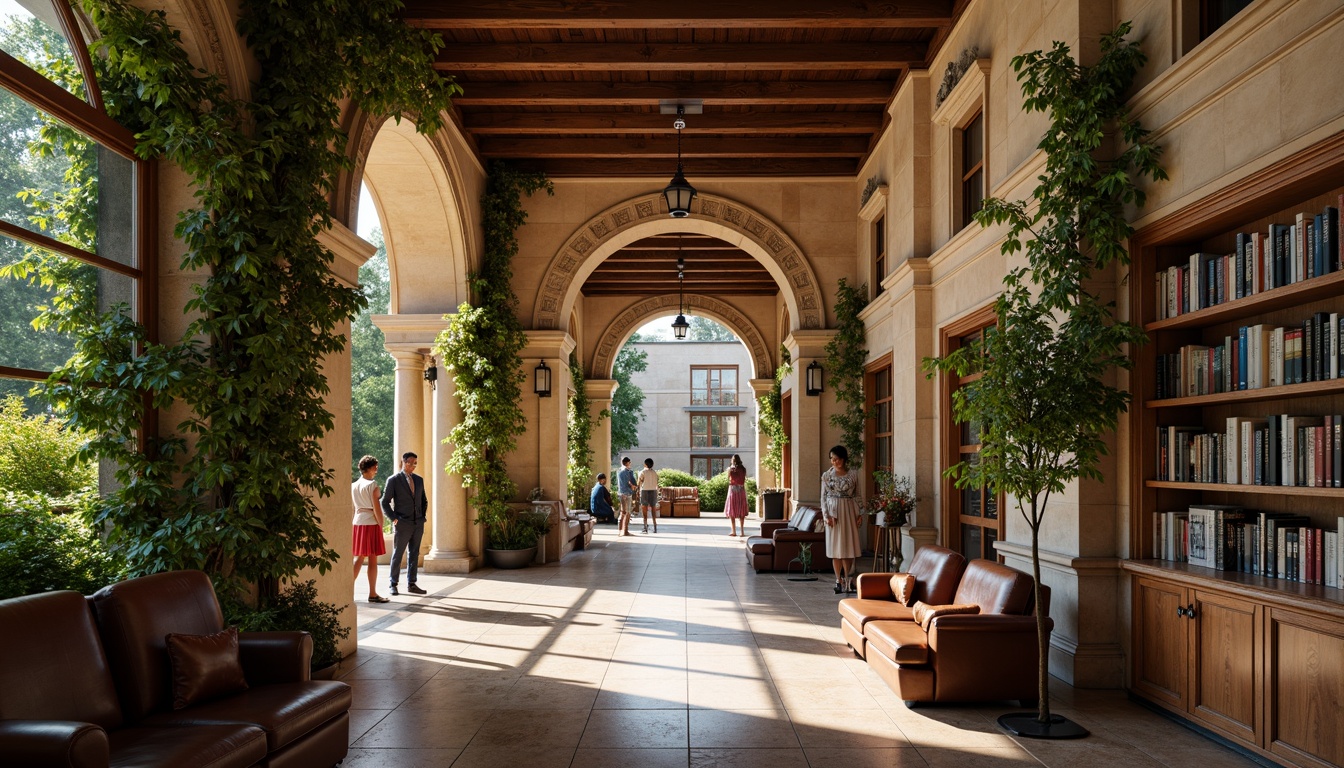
{"points": [[736, 508], [368, 538]]}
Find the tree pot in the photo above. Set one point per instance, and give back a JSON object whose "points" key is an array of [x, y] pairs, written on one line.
{"points": [[773, 504], [511, 558]]}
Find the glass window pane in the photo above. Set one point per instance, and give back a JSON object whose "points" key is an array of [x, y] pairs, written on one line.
{"points": [[30, 31], [24, 345], [991, 536], [970, 541], [970, 433], [991, 504]]}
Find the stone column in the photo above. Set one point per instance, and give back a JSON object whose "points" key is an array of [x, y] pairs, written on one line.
{"points": [[409, 411], [450, 516], [600, 392], [812, 433], [542, 454]]}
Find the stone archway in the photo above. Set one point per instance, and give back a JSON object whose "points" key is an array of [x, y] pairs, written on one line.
{"points": [[615, 334], [643, 216]]}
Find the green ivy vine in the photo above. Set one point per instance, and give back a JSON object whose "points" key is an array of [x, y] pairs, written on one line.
{"points": [[232, 490], [579, 470], [845, 357], [769, 417], [482, 347]]}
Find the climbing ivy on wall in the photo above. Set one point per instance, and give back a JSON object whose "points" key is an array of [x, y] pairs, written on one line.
{"points": [[579, 472], [845, 356], [770, 418], [232, 491], [482, 347]]}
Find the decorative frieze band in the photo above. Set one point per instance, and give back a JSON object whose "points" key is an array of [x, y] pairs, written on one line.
{"points": [[638, 313]]}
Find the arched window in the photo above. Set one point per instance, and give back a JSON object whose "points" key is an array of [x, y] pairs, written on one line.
{"points": [[73, 196]]}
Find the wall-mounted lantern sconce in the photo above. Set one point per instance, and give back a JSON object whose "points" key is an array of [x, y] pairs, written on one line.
{"points": [[541, 380], [432, 373], [815, 385]]}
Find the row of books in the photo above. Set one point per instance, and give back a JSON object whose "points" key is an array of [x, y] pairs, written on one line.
{"points": [[1277, 545], [1283, 450], [1257, 356], [1262, 261]]}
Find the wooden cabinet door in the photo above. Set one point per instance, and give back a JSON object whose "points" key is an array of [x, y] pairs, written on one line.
{"points": [[1161, 642], [1305, 679], [1225, 693]]}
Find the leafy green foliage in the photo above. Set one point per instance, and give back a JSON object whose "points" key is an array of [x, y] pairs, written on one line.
{"points": [[482, 347], [673, 478], [1042, 400], [845, 357], [239, 502], [372, 371], [769, 409], [47, 544], [704, 329], [519, 529], [627, 404], [296, 609], [714, 493], [39, 454], [578, 470]]}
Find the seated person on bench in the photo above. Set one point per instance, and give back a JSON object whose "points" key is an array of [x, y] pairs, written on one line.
{"points": [[599, 501]]}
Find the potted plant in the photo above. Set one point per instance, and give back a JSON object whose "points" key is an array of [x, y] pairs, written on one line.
{"points": [[804, 559], [772, 503], [892, 504], [1043, 399], [511, 536], [298, 609]]}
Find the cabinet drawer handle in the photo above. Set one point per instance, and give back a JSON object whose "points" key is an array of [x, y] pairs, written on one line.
{"points": [[1190, 611], [1180, 610]]}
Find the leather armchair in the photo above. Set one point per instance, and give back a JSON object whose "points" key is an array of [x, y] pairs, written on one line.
{"points": [[779, 542]]}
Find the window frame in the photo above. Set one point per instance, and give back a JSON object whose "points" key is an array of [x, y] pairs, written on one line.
{"points": [[725, 459], [968, 174], [709, 369], [953, 449], [967, 98], [710, 416]]}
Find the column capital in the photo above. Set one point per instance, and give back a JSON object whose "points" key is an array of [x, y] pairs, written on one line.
{"points": [[548, 345], [761, 386], [410, 331], [804, 345], [406, 356], [600, 389]]}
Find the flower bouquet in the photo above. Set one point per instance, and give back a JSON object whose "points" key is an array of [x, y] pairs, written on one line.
{"points": [[893, 500]]}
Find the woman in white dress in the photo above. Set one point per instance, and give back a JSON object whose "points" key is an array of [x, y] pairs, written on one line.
{"points": [[839, 489]]}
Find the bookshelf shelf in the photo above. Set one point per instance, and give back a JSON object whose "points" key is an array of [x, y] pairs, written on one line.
{"points": [[1287, 297], [1331, 386], [1275, 490]]}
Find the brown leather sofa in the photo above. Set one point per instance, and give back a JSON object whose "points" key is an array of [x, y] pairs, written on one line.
{"points": [[779, 542], [936, 570], [87, 682], [988, 656], [679, 501]]}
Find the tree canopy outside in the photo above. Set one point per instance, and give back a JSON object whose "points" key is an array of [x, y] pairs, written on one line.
{"points": [[372, 370], [627, 404]]}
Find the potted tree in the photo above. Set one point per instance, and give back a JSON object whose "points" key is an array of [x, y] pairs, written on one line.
{"points": [[1044, 401]]}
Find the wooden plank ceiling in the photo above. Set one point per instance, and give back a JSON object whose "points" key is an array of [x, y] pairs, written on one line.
{"points": [[573, 88]]}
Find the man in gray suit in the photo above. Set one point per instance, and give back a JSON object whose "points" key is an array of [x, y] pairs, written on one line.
{"points": [[404, 503]]}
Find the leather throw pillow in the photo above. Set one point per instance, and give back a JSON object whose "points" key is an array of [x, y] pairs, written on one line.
{"points": [[924, 613], [903, 587], [204, 667]]}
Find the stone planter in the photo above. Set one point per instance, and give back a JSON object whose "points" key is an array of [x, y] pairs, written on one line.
{"points": [[772, 504], [511, 558]]}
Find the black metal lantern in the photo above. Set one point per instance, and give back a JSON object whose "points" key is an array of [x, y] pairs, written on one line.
{"points": [[815, 386], [432, 373], [679, 193], [680, 326], [541, 379]]}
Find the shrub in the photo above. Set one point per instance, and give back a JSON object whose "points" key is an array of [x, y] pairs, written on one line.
{"points": [[39, 454], [714, 493], [296, 609], [46, 544], [668, 478]]}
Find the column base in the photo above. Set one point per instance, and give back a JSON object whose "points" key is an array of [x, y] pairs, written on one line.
{"points": [[451, 561]]}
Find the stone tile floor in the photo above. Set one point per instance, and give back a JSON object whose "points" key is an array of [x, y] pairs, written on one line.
{"points": [[666, 650]]}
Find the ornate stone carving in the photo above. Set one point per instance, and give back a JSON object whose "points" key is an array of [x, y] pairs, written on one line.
{"points": [[622, 217], [955, 71], [599, 228], [644, 209], [710, 208], [640, 312], [869, 189]]}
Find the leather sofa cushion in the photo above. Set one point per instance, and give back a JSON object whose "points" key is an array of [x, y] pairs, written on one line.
{"points": [[805, 519], [55, 668], [134, 618], [211, 746], [924, 613], [285, 711], [859, 611], [903, 588], [204, 667], [937, 571], [995, 588], [904, 642], [759, 545]]}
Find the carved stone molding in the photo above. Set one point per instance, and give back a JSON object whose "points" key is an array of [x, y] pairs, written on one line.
{"points": [[953, 74], [638, 313], [800, 289]]}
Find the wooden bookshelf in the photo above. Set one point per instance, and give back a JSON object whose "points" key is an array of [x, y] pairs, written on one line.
{"points": [[1231, 651]]}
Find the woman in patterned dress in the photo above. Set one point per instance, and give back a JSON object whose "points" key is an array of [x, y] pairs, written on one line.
{"points": [[839, 487], [736, 508]]}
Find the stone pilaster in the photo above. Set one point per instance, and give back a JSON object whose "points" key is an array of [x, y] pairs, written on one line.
{"points": [[600, 392], [810, 432]]}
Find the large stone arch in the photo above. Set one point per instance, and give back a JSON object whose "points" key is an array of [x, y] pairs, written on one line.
{"points": [[643, 216], [632, 317], [418, 190]]}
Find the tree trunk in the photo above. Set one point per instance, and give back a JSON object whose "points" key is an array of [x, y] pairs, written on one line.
{"points": [[1042, 636]]}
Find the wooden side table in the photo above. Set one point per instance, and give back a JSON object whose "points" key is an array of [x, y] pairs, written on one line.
{"points": [[887, 555]]}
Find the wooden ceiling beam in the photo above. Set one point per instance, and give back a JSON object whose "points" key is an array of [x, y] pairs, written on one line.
{"points": [[713, 94], [776, 147], [641, 14], [677, 57], [717, 289], [608, 167], [800, 123]]}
